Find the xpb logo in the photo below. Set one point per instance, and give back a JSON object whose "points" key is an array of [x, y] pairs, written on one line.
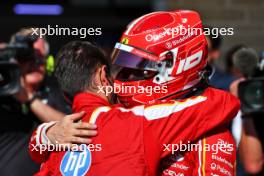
{"points": [[76, 163]]}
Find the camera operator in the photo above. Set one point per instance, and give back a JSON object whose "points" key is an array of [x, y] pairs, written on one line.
{"points": [[38, 100], [34, 82], [246, 61]]}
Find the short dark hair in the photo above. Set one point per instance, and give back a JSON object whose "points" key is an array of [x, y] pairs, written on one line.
{"points": [[76, 64]]}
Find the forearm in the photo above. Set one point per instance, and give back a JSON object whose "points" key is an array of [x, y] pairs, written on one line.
{"points": [[44, 112], [65, 132], [38, 143], [251, 149]]}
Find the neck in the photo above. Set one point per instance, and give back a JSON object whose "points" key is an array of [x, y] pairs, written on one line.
{"points": [[100, 94]]}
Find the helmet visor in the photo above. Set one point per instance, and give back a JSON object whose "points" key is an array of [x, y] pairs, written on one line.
{"points": [[130, 57], [129, 66]]}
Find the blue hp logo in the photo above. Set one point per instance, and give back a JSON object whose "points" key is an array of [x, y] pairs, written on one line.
{"points": [[76, 163]]}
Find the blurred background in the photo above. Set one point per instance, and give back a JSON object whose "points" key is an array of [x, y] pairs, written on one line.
{"points": [[245, 16], [111, 16]]}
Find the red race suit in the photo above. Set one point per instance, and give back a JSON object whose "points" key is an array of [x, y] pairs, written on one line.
{"points": [[215, 157], [134, 141]]}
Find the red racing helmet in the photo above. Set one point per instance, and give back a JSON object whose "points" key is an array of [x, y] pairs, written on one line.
{"points": [[160, 55]]}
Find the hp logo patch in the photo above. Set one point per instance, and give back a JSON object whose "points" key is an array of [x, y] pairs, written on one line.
{"points": [[76, 163]]}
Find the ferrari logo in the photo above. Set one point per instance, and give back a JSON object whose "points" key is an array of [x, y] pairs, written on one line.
{"points": [[125, 40]]}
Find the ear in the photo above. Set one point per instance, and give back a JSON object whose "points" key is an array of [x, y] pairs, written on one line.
{"points": [[103, 77]]}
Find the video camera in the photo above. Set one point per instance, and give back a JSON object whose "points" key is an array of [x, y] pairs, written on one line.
{"points": [[251, 91], [19, 51]]}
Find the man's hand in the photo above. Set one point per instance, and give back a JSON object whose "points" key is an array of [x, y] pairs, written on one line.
{"points": [[69, 131], [234, 86], [25, 93]]}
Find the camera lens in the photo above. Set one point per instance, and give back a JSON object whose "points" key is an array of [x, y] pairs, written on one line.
{"points": [[254, 94], [4, 77]]}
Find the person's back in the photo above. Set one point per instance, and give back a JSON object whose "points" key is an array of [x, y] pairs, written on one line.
{"points": [[213, 153], [132, 140]]}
